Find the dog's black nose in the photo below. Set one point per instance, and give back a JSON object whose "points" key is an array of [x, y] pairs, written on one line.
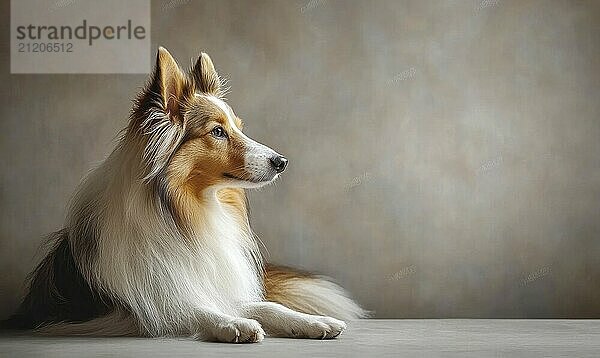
{"points": [[279, 163]]}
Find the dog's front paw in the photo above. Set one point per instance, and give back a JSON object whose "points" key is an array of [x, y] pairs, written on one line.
{"points": [[317, 327], [239, 330]]}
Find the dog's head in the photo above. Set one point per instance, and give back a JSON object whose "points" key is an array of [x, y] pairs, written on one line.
{"points": [[192, 137]]}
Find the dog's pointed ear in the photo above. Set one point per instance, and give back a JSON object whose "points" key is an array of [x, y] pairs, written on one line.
{"points": [[206, 78], [159, 110], [171, 84]]}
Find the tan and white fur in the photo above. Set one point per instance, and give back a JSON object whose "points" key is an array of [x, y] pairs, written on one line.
{"points": [[158, 242]]}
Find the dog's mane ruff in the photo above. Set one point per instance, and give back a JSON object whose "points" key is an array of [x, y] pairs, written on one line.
{"points": [[156, 253]]}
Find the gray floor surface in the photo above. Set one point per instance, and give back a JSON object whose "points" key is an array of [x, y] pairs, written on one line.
{"points": [[364, 338]]}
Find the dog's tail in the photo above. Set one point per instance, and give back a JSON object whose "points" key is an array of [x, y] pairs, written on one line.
{"points": [[115, 324], [308, 293]]}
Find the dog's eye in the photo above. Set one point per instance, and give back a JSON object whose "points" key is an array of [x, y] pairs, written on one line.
{"points": [[219, 132]]}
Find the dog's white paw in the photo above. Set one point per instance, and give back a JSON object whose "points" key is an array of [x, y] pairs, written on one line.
{"points": [[317, 327], [239, 330]]}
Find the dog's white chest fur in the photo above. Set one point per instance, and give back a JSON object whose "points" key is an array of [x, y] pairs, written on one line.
{"points": [[222, 249], [169, 276]]}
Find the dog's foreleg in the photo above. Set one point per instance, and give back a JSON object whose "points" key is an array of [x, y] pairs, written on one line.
{"points": [[280, 321], [214, 326]]}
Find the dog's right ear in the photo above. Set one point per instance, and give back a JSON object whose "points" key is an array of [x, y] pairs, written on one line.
{"points": [[168, 87], [205, 76]]}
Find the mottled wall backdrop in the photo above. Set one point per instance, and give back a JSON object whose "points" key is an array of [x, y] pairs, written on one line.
{"points": [[445, 155]]}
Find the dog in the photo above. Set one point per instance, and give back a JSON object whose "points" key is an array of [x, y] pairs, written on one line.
{"points": [[157, 240]]}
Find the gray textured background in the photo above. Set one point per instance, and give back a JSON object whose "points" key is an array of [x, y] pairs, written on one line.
{"points": [[445, 156]]}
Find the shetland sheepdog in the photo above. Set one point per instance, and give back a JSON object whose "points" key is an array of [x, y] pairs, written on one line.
{"points": [[157, 240]]}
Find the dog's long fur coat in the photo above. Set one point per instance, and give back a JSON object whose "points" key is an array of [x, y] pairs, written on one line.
{"points": [[157, 240]]}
